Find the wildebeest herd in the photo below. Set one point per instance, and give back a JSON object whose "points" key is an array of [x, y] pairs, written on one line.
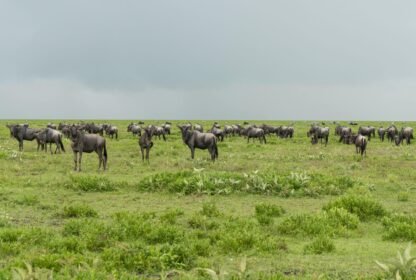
{"points": [[89, 137]]}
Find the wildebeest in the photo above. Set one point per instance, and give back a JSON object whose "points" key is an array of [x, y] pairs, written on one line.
{"points": [[145, 141], [353, 123], [255, 132], [51, 136], [368, 131], [96, 129], [158, 131], [217, 131], [111, 131], [195, 139], [381, 133], [228, 130], [360, 142], [317, 132], [134, 129], [405, 134], [23, 132], [167, 127], [285, 131], [87, 143], [392, 132], [344, 134]]}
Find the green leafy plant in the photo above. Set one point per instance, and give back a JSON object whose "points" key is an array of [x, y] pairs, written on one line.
{"points": [[403, 268]]}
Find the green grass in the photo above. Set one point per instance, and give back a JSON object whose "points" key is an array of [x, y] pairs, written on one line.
{"points": [[287, 208]]}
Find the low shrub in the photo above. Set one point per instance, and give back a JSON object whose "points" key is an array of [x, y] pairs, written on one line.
{"points": [[334, 222], [400, 227], [269, 210], [91, 184], [79, 211], [364, 206], [320, 245]]}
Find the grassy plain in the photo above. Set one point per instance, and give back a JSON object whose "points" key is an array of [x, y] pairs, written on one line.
{"points": [[147, 220]]}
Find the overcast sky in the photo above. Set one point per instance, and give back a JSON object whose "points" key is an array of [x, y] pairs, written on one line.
{"points": [[217, 59]]}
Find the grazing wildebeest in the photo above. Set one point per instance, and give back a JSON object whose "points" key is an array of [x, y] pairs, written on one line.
{"points": [[88, 143], [405, 133], [145, 141], [392, 131], [236, 129], [195, 139], [217, 131], [368, 131], [255, 132], [51, 136], [360, 142], [353, 123], [23, 132], [381, 133], [198, 127], [317, 132], [111, 131]]}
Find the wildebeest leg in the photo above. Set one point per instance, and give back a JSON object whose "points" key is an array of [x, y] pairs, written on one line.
{"points": [[100, 157], [79, 161], [264, 139], [141, 149], [164, 138], [192, 152], [75, 161], [248, 139], [147, 153]]}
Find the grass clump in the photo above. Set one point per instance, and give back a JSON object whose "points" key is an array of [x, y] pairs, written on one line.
{"points": [[334, 222], [320, 245], [79, 211], [400, 227], [265, 213], [364, 206], [91, 184]]}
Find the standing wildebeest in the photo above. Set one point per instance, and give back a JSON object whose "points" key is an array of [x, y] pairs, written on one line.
{"points": [[405, 133], [167, 127], [134, 129], [145, 141], [254, 132], [111, 130], [51, 136], [217, 131], [23, 132], [360, 142], [381, 133], [368, 131], [285, 131], [392, 131], [158, 131], [317, 132], [195, 139], [96, 129], [228, 130], [88, 143], [344, 134]]}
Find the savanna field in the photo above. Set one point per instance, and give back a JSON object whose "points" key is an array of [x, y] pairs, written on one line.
{"points": [[286, 209]]}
